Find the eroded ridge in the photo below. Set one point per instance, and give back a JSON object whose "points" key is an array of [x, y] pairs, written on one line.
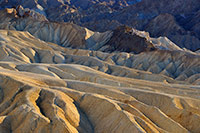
{"points": [[48, 88], [159, 65]]}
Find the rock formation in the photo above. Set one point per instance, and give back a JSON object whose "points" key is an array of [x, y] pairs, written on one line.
{"points": [[179, 21], [73, 36], [48, 88], [60, 77]]}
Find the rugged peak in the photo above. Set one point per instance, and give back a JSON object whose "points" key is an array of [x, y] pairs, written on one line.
{"points": [[20, 12], [124, 39], [124, 29]]}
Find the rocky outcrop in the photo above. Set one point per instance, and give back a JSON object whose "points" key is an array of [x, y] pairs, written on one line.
{"points": [[125, 40]]}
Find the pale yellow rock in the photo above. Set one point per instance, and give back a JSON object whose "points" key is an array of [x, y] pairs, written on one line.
{"points": [[47, 88]]}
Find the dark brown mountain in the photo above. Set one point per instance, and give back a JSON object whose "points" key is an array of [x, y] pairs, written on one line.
{"points": [[178, 20], [125, 40], [122, 39]]}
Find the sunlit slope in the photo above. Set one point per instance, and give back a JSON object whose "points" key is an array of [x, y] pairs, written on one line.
{"points": [[159, 65], [48, 88]]}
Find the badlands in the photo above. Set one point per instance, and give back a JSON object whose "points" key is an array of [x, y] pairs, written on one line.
{"points": [[59, 77], [178, 20]]}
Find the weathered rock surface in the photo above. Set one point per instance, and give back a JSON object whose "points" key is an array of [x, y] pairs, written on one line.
{"points": [[48, 88], [125, 40], [64, 34], [122, 39], [179, 19], [57, 77]]}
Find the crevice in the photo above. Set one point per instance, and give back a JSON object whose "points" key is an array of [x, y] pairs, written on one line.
{"points": [[83, 114], [38, 103], [54, 72], [8, 103], [21, 89], [37, 57], [1, 95], [109, 70]]}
